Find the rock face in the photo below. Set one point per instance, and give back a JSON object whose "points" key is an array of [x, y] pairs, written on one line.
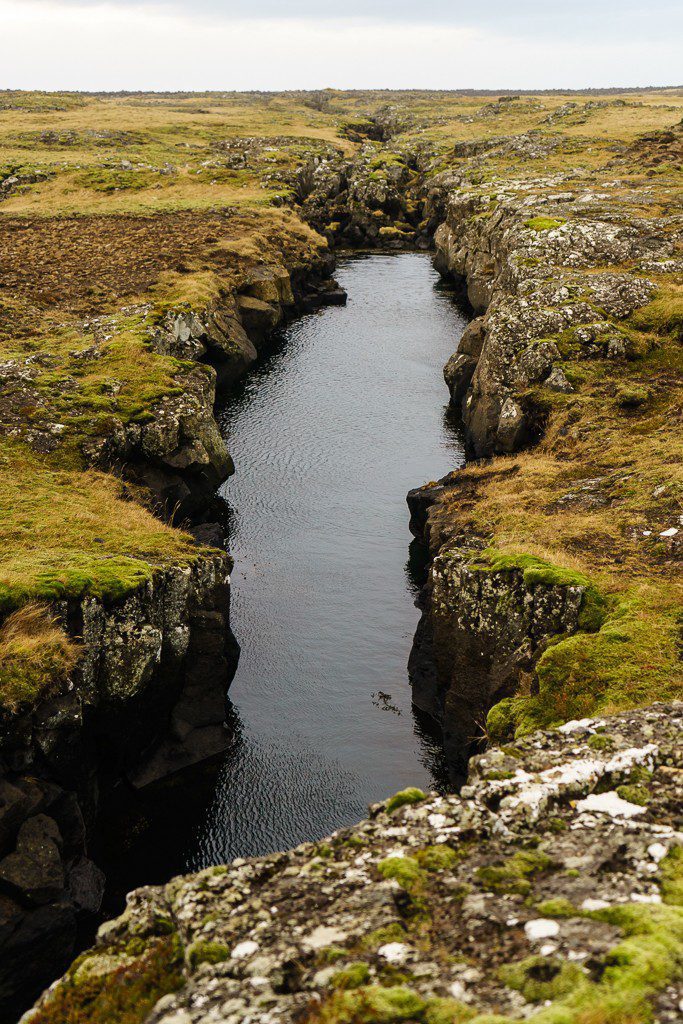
{"points": [[480, 638], [550, 888], [527, 276], [367, 201], [178, 454], [137, 691]]}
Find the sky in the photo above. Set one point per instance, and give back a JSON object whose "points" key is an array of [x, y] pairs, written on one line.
{"points": [[349, 44]]}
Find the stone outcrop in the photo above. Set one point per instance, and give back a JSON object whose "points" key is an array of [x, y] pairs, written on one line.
{"points": [[368, 201], [484, 627], [526, 278], [549, 889], [139, 706], [178, 453]]}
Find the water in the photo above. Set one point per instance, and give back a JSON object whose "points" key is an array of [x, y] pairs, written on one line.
{"points": [[328, 433]]}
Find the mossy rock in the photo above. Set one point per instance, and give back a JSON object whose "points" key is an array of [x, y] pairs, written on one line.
{"points": [[412, 795]]}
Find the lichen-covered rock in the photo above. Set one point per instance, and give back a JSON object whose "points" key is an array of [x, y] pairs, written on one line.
{"points": [[486, 622], [151, 661], [527, 275], [549, 890]]}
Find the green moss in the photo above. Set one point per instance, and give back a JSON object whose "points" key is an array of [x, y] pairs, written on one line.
{"points": [[630, 661], [601, 742], [558, 907], [354, 842], [125, 995], [671, 877], [513, 876], [372, 1005], [206, 953], [437, 858], [412, 795], [352, 976], [447, 1011], [501, 721], [512, 752], [331, 954], [543, 223], [404, 870], [539, 978], [634, 794], [390, 933], [498, 776]]}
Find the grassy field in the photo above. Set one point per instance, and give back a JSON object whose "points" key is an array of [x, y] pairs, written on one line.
{"points": [[115, 208]]}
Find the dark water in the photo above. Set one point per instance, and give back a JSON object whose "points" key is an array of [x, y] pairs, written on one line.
{"points": [[328, 433], [345, 416]]}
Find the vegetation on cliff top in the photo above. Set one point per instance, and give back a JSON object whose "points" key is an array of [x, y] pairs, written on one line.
{"points": [[114, 209]]}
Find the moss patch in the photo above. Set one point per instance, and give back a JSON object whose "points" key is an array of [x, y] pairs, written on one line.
{"points": [[404, 870], [412, 795], [515, 874], [125, 995], [206, 953], [539, 978], [543, 223], [352, 976]]}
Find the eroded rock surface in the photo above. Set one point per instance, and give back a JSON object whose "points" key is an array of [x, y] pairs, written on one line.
{"points": [[541, 892], [524, 273]]}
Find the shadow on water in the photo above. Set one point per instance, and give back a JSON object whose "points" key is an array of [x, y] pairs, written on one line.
{"points": [[343, 415]]}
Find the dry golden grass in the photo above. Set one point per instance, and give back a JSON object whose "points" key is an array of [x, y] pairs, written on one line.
{"points": [[36, 657]]}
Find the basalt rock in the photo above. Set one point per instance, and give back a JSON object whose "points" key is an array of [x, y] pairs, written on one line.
{"points": [[47, 885], [549, 884], [177, 453], [146, 699], [526, 276], [483, 628]]}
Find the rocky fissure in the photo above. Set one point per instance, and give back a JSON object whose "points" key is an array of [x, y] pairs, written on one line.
{"points": [[148, 696], [522, 894]]}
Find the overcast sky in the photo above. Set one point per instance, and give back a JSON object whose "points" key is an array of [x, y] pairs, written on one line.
{"points": [[266, 44]]}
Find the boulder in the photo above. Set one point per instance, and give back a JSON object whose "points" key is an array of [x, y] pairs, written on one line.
{"points": [[35, 871]]}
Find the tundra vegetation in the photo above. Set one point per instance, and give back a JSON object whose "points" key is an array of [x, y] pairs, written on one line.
{"points": [[126, 218], [116, 208]]}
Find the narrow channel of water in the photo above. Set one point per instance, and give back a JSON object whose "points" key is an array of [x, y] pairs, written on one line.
{"points": [[329, 432]]}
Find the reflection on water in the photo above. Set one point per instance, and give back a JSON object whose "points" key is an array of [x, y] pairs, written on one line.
{"points": [[330, 431]]}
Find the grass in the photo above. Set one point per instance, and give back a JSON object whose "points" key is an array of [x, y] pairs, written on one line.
{"points": [[36, 657], [68, 533]]}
